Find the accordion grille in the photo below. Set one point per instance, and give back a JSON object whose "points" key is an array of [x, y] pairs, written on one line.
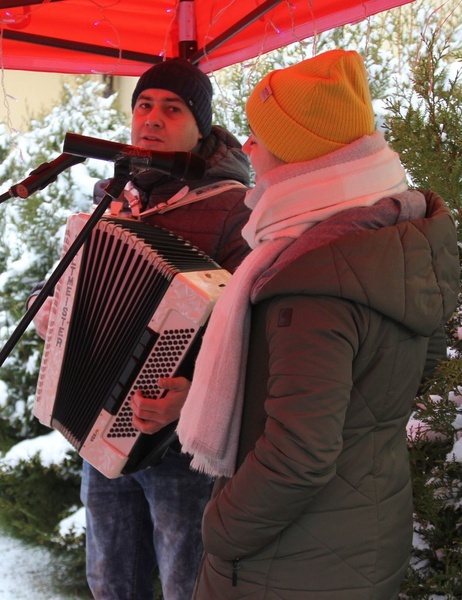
{"points": [[124, 271]]}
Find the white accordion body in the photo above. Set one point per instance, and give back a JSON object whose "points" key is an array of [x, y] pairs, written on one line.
{"points": [[130, 308]]}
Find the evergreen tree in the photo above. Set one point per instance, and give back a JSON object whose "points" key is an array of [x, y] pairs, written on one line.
{"points": [[31, 230], [423, 126], [35, 496], [410, 53]]}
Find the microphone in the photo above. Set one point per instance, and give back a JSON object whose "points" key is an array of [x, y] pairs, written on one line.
{"points": [[182, 165]]}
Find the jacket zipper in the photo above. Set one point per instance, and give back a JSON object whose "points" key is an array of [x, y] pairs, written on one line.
{"points": [[234, 577]]}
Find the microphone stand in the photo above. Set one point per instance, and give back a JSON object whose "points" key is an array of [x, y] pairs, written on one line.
{"points": [[115, 187], [40, 177]]}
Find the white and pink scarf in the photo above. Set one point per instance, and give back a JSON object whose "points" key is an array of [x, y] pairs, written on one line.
{"points": [[285, 203]]}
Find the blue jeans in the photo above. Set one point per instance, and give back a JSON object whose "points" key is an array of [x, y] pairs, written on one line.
{"points": [[137, 521]]}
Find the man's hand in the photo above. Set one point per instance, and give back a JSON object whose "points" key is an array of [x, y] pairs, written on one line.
{"points": [[151, 415], [42, 318]]}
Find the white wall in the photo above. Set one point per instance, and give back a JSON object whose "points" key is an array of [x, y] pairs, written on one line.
{"points": [[27, 93]]}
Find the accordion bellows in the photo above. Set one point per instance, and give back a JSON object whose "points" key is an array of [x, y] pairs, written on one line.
{"points": [[131, 308]]}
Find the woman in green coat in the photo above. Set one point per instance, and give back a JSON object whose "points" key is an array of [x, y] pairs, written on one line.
{"points": [[316, 349]]}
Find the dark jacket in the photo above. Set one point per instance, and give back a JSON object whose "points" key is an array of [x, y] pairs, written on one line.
{"points": [[320, 507], [213, 224]]}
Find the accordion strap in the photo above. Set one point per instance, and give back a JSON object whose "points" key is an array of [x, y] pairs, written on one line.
{"points": [[187, 196]]}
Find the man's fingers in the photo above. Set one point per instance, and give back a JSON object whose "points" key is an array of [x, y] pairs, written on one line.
{"points": [[175, 384]]}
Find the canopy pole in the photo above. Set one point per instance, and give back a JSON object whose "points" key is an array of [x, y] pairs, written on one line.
{"points": [[187, 28]]}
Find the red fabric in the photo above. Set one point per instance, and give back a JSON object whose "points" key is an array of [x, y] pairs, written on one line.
{"points": [[152, 28]]}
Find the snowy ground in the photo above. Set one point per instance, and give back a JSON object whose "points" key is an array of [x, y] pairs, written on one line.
{"points": [[25, 572]]}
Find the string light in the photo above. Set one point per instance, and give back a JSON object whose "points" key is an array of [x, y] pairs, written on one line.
{"points": [[109, 34], [276, 29], [17, 20], [6, 97], [174, 12], [23, 17], [103, 4], [11, 22]]}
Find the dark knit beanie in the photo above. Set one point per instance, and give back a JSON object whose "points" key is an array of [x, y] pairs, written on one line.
{"points": [[187, 81]]}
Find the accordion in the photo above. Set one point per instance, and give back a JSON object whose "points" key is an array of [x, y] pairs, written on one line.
{"points": [[130, 308]]}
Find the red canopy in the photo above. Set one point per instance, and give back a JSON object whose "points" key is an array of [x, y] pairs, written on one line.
{"points": [[123, 37]]}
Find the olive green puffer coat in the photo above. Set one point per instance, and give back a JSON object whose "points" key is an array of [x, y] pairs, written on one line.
{"points": [[320, 507]]}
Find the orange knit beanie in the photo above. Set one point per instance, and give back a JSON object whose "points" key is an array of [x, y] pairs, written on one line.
{"points": [[312, 108]]}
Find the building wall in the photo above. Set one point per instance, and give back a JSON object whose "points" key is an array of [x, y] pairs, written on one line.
{"points": [[25, 94]]}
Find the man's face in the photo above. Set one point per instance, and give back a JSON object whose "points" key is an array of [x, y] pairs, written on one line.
{"points": [[161, 121]]}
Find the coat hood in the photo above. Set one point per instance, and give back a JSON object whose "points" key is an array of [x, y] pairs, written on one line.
{"points": [[409, 272], [225, 156]]}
